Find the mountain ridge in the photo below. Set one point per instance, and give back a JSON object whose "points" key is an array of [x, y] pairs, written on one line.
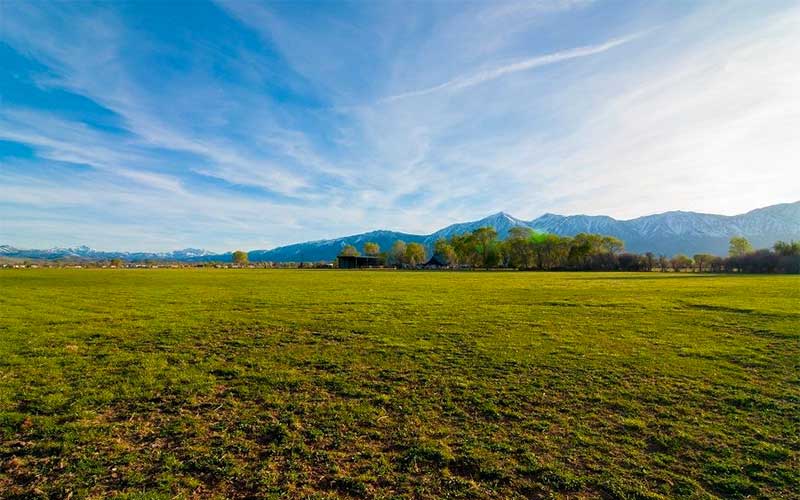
{"points": [[667, 233]]}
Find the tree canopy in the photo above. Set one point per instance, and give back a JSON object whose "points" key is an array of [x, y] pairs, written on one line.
{"points": [[397, 255], [789, 249], [527, 249], [739, 246], [415, 254], [371, 248], [240, 257], [349, 251], [445, 252]]}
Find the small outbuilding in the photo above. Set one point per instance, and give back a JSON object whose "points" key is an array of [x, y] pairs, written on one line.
{"points": [[358, 262]]}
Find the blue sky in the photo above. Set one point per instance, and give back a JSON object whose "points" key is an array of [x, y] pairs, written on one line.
{"points": [[223, 125]]}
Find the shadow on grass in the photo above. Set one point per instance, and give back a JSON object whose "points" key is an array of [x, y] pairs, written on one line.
{"points": [[658, 276]]}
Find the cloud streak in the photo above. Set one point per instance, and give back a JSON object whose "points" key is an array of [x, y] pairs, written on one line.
{"points": [[480, 77], [254, 125]]}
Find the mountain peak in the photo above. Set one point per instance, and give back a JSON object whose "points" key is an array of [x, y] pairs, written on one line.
{"points": [[665, 233], [504, 217]]}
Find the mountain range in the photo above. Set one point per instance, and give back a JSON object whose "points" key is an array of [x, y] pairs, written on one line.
{"points": [[84, 252], [667, 233]]}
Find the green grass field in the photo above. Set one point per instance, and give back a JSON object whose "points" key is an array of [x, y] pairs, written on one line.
{"points": [[328, 384]]}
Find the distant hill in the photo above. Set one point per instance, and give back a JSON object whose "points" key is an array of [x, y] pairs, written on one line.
{"points": [[667, 233], [87, 253], [684, 232], [329, 249]]}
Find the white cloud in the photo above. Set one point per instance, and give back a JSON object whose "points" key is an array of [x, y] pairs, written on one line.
{"points": [[487, 75], [699, 114]]}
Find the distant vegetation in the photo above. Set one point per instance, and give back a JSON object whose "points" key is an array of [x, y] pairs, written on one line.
{"points": [[349, 251], [372, 248], [528, 250], [239, 257], [524, 249]]}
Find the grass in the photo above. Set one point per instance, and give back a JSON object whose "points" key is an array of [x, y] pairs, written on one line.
{"points": [[328, 384]]}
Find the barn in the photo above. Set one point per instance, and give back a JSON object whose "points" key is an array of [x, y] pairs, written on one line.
{"points": [[358, 262]]}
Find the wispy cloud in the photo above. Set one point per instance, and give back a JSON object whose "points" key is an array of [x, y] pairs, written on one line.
{"points": [[479, 77], [262, 124]]}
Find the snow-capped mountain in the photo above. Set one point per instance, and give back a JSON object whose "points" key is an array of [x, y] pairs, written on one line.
{"points": [[189, 253], [501, 222], [574, 224], [684, 232], [667, 233], [7, 249], [87, 253], [313, 251], [329, 249]]}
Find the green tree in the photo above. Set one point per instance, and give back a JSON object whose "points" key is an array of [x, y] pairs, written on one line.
{"points": [[465, 249], [680, 262], [486, 245], [444, 251], [397, 255], [612, 245], [240, 257], [739, 246], [415, 254], [582, 248], [550, 251], [703, 261], [371, 248], [116, 262], [789, 249], [519, 247], [494, 256], [349, 251]]}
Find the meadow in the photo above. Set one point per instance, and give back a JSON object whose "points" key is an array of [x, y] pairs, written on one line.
{"points": [[386, 384]]}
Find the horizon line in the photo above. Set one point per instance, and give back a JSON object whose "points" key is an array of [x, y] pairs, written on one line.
{"points": [[501, 212]]}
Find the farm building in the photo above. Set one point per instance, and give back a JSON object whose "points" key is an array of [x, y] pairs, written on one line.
{"points": [[435, 262], [357, 262]]}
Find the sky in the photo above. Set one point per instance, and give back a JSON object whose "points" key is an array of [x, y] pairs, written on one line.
{"points": [[155, 126]]}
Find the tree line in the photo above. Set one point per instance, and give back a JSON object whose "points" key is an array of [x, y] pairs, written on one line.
{"points": [[529, 250]]}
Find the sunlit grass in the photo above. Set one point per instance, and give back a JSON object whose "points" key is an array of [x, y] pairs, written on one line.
{"points": [[262, 383]]}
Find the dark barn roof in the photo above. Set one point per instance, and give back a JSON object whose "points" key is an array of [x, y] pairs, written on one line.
{"points": [[355, 262], [434, 261]]}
